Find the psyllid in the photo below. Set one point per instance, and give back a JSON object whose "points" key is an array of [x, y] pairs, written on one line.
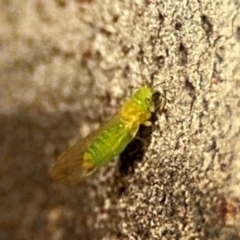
{"points": [[100, 147]]}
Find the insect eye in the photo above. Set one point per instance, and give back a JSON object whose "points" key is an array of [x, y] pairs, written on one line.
{"points": [[148, 101]]}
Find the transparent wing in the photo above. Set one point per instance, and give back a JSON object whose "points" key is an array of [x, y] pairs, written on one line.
{"points": [[70, 166]]}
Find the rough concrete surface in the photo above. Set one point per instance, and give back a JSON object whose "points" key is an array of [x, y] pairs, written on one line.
{"points": [[66, 67]]}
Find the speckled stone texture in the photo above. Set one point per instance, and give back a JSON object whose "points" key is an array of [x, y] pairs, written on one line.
{"points": [[66, 67]]}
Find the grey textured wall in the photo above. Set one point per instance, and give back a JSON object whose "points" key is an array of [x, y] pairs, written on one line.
{"points": [[66, 66]]}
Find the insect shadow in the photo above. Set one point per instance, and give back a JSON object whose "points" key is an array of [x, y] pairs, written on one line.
{"points": [[136, 149]]}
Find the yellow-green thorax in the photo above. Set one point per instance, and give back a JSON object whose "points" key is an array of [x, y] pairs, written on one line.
{"points": [[137, 110]]}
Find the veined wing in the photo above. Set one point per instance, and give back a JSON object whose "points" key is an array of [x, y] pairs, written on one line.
{"points": [[70, 166]]}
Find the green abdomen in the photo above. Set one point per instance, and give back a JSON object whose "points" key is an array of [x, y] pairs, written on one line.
{"points": [[109, 143]]}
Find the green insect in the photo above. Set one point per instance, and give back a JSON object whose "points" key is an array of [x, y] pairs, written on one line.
{"points": [[97, 149]]}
